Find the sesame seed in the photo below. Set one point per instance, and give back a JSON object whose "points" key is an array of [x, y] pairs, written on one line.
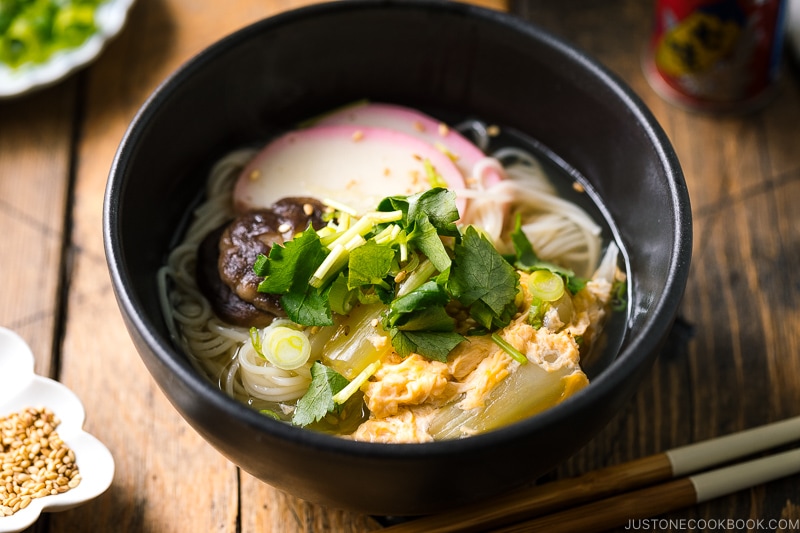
{"points": [[29, 463], [358, 135], [419, 126], [493, 130], [443, 130], [308, 209], [578, 187], [254, 175], [283, 228]]}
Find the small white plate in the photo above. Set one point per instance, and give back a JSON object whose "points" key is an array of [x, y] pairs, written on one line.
{"points": [[110, 18], [21, 388]]}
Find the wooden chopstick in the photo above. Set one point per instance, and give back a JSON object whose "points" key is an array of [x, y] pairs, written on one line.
{"points": [[606, 482], [611, 512]]}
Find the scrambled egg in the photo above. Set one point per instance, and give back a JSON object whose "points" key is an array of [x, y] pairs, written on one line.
{"points": [[406, 394]]}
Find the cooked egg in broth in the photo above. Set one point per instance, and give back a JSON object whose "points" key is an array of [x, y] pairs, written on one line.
{"points": [[385, 276]]}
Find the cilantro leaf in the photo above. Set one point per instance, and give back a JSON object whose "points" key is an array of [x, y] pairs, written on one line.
{"points": [[482, 280], [318, 399]]}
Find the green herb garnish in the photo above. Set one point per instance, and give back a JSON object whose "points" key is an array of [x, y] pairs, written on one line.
{"points": [[287, 270], [419, 323], [509, 349], [525, 259], [483, 281], [31, 31], [318, 399], [362, 262]]}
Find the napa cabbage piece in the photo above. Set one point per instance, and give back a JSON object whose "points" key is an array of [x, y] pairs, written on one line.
{"points": [[521, 391], [486, 387], [355, 342]]}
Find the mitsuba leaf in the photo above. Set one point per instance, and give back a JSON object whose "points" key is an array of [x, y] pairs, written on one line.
{"points": [[429, 294], [419, 323], [308, 306], [482, 280], [434, 345], [292, 264], [288, 269], [340, 298], [431, 319], [318, 399], [369, 264], [425, 237], [439, 207], [525, 259], [426, 217]]}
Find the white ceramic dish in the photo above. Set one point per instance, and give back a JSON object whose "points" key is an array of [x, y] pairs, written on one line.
{"points": [[110, 18], [20, 388]]}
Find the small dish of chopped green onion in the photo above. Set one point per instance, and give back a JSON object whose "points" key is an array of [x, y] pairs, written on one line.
{"points": [[42, 41]]}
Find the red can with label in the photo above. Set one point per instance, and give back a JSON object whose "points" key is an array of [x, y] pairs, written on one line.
{"points": [[715, 55]]}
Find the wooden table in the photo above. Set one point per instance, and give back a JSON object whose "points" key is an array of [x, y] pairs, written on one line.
{"points": [[733, 361]]}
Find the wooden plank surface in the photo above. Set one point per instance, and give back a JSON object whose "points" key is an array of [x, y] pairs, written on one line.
{"points": [[36, 137], [56, 148], [733, 360], [732, 363], [168, 478]]}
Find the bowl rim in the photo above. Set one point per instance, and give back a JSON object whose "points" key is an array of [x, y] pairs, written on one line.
{"points": [[637, 351]]}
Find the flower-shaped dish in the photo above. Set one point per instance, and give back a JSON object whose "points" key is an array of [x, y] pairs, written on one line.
{"points": [[110, 18], [21, 388]]}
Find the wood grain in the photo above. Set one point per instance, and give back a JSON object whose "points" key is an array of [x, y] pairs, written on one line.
{"points": [[70, 140], [35, 156], [625, 510], [524, 505], [732, 362]]}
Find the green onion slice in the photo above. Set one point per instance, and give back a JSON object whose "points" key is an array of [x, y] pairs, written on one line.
{"points": [[546, 285], [285, 347]]}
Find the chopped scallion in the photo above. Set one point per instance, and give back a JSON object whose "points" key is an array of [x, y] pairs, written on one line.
{"points": [[343, 395], [509, 349], [285, 347], [546, 285], [338, 206]]}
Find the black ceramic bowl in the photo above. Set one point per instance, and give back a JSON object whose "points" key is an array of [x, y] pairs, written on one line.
{"points": [[445, 56]]}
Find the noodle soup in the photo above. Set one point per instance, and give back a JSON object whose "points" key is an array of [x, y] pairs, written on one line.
{"points": [[386, 277]]}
